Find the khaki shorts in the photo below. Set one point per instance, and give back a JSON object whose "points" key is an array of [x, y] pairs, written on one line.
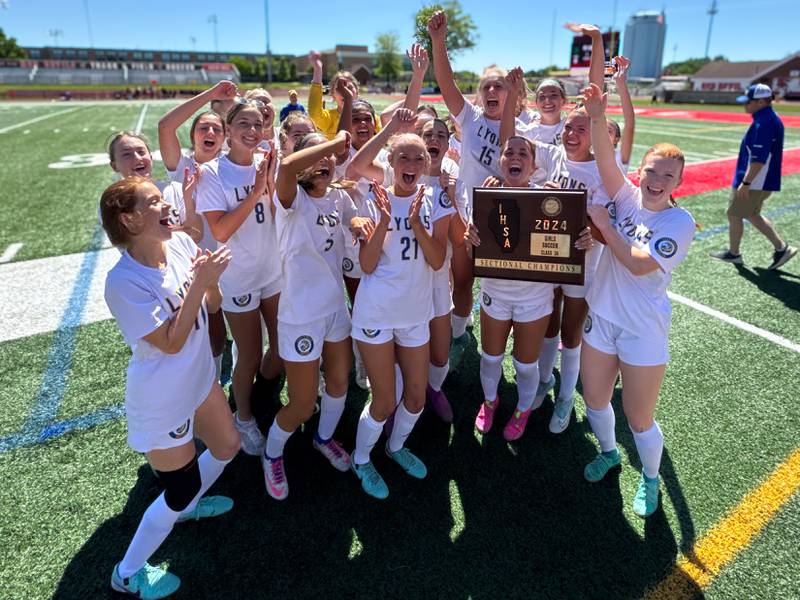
{"points": [[749, 207]]}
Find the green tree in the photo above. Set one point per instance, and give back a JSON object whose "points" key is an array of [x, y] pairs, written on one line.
{"points": [[461, 29], [280, 68], [388, 62], [689, 66], [9, 47], [244, 66]]}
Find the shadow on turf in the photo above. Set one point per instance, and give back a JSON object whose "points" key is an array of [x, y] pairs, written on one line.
{"points": [[491, 520], [778, 284]]}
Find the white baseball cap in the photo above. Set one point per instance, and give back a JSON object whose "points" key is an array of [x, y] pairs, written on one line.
{"points": [[757, 91]]}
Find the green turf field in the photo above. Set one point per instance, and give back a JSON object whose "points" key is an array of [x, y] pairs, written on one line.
{"points": [[491, 520]]}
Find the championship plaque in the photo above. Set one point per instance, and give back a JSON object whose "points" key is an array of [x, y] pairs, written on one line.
{"points": [[529, 234]]}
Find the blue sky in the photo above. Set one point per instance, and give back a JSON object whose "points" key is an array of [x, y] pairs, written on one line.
{"points": [[520, 33]]}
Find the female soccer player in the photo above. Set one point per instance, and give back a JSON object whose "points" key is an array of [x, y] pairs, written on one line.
{"points": [[480, 139], [522, 305], [313, 320], [263, 101], [448, 192], [233, 194], [568, 166], [628, 323], [394, 306], [294, 128], [159, 292]]}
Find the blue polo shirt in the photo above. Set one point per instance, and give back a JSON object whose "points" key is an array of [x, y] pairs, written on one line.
{"points": [[763, 143]]}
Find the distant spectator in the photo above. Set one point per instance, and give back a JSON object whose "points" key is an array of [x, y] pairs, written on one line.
{"points": [[758, 174], [292, 106]]}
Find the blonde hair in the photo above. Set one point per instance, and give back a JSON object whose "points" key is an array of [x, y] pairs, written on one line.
{"points": [[489, 72], [408, 138], [250, 94], [120, 198], [343, 75]]}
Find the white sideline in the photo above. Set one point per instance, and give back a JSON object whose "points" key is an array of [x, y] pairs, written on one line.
{"points": [[140, 122], [10, 252], [37, 119], [35, 292], [767, 335]]}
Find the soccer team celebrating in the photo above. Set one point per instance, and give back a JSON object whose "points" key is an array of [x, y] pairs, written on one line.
{"points": [[343, 238]]}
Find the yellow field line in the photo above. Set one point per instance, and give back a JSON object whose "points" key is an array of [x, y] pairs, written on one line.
{"points": [[724, 541]]}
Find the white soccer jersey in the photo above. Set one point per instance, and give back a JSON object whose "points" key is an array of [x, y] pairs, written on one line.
{"points": [[480, 147], [535, 131], [398, 293], [311, 244], [255, 263], [186, 160], [363, 185], [162, 390], [176, 177], [639, 304], [527, 116]]}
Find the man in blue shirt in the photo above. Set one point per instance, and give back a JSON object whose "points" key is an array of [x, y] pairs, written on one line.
{"points": [[758, 174], [292, 106]]}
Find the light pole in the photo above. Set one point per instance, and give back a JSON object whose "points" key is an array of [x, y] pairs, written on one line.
{"points": [[193, 42], [711, 12], [55, 34], [88, 23], [269, 52], [213, 20]]}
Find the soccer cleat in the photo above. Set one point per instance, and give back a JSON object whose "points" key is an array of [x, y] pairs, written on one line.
{"points": [[458, 346], [333, 451], [516, 425], [781, 257], [727, 256], [371, 481], [439, 404], [544, 388], [148, 583], [485, 418], [601, 465], [408, 462], [645, 502], [253, 440], [562, 413], [209, 506], [274, 477]]}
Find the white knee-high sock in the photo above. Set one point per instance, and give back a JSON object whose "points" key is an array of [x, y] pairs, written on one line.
{"points": [[602, 422], [210, 470], [570, 369], [547, 358], [650, 445], [276, 440], [437, 375], [369, 430], [404, 422], [218, 366], [491, 371], [398, 384], [527, 382], [458, 324], [153, 529], [330, 411]]}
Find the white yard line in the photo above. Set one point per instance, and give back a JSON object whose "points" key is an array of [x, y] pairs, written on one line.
{"points": [[767, 335], [10, 252], [37, 119], [140, 122]]}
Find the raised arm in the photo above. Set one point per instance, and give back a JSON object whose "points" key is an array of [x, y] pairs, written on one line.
{"points": [[516, 87], [419, 66], [594, 102], [172, 335], [318, 114], [628, 114], [348, 93], [597, 64], [292, 165], [453, 98], [168, 142], [363, 163]]}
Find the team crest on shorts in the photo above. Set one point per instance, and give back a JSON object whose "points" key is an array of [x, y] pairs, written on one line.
{"points": [[242, 300], [304, 345], [371, 333], [666, 247], [587, 325], [180, 431], [487, 299], [444, 200], [347, 265]]}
